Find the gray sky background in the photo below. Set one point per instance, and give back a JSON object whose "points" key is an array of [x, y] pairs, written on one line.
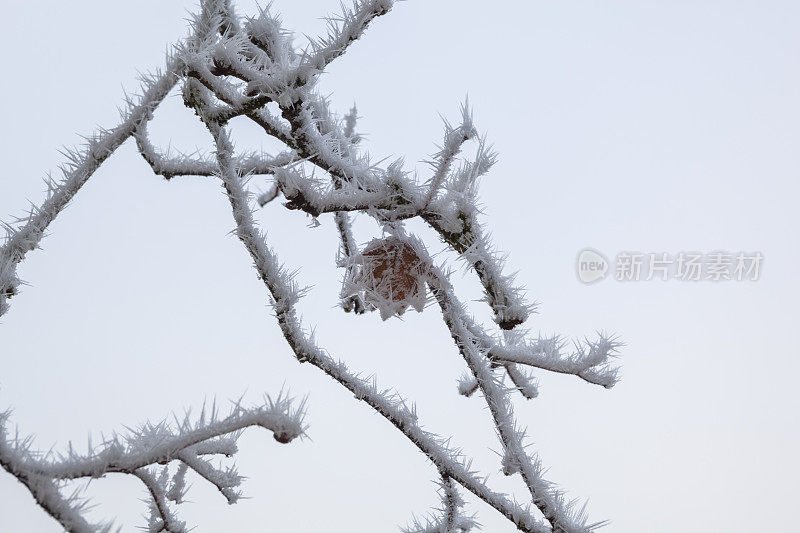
{"points": [[628, 125]]}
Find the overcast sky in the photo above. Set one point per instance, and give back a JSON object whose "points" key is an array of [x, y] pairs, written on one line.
{"points": [[649, 126]]}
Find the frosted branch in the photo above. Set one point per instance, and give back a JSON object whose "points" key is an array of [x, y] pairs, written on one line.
{"points": [[319, 140], [591, 359], [450, 518], [230, 69], [526, 385], [549, 501], [146, 448], [167, 165], [226, 480], [24, 234], [350, 120], [67, 511], [285, 295], [161, 517], [343, 29], [348, 249], [454, 138]]}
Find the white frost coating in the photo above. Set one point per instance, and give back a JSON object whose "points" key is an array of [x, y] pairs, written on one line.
{"points": [[343, 29], [391, 406], [168, 165], [449, 518], [591, 360], [391, 276], [230, 69], [145, 450], [550, 501], [454, 139], [320, 138], [24, 234]]}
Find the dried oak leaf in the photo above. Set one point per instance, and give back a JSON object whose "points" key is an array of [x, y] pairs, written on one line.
{"points": [[392, 276]]}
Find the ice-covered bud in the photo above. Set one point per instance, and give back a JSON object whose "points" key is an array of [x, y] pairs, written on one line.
{"points": [[392, 276], [284, 437]]}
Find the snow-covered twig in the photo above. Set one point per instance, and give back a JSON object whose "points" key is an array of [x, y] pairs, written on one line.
{"points": [[590, 361], [343, 29], [454, 138], [161, 516], [450, 518], [180, 164], [25, 233], [151, 446], [66, 510]]}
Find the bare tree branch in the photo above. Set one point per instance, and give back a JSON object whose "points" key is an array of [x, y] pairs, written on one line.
{"points": [[232, 68]]}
